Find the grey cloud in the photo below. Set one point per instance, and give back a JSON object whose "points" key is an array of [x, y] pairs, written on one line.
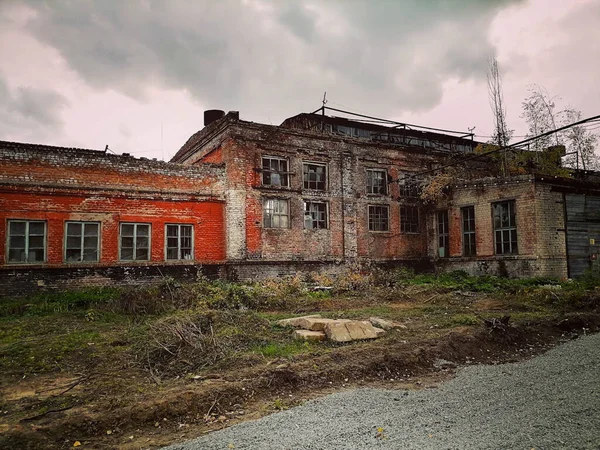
{"points": [[272, 57], [30, 110]]}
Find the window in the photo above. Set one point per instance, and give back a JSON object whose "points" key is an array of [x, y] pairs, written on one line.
{"points": [[409, 219], [443, 235], [376, 182], [275, 171], [135, 242], [82, 241], [468, 230], [379, 218], [26, 241], [410, 186], [315, 215], [314, 176], [276, 213], [505, 228], [180, 242]]}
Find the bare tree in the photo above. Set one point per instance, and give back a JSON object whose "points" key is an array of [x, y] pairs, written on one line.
{"points": [[502, 134], [580, 142], [541, 117]]}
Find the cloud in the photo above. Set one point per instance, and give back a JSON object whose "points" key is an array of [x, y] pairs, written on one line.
{"points": [[30, 108], [270, 57]]}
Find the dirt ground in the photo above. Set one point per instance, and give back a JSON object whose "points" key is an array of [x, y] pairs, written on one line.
{"points": [[98, 394]]}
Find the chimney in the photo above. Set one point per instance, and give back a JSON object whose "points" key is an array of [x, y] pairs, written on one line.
{"points": [[210, 115]]}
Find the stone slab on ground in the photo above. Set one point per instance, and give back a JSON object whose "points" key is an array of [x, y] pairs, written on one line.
{"points": [[295, 321], [361, 330], [308, 335], [379, 331], [317, 323], [351, 330], [337, 332], [385, 324]]}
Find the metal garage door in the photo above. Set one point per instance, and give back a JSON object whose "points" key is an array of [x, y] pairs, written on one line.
{"points": [[583, 232]]}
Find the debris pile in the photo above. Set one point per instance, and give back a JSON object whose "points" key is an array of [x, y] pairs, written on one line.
{"points": [[317, 328]]}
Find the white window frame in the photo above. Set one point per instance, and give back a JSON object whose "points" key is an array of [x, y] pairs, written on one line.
{"points": [[179, 226], [325, 175], [385, 181], [81, 246], [310, 218], [135, 224], [283, 174], [275, 212], [27, 222]]}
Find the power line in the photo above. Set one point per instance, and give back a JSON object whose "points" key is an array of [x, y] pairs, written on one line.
{"points": [[508, 147]]}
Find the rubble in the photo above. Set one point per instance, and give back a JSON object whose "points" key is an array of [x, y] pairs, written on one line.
{"points": [[317, 328]]}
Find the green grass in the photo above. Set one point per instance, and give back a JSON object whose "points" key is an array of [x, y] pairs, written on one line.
{"points": [[273, 350]]}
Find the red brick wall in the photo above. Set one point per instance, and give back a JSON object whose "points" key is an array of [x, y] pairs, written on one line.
{"points": [[56, 208]]}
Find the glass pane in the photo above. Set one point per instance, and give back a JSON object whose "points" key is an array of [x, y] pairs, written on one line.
{"points": [[36, 255], [267, 220], [172, 242], [127, 230], [73, 229], [17, 228], [73, 255], [143, 230], [186, 242], [141, 254], [171, 253], [283, 222], [16, 255], [72, 242], [36, 228], [16, 242], [172, 230], [36, 242], [141, 242], [275, 221], [186, 253], [90, 255], [275, 179], [127, 242], [90, 242], [91, 229], [186, 230], [127, 254]]}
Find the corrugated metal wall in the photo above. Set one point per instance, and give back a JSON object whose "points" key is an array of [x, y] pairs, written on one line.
{"points": [[583, 232]]}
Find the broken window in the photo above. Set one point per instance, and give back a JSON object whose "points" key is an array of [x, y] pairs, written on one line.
{"points": [[468, 230], [443, 234], [315, 215], [26, 241], [314, 176], [275, 171], [135, 242], [276, 213], [376, 181], [410, 186], [379, 218], [82, 239], [409, 219], [180, 241], [505, 228]]}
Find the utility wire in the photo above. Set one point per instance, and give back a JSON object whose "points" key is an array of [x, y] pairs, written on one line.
{"points": [[508, 147]]}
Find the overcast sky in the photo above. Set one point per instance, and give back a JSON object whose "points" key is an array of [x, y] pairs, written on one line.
{"points": [[91, 73]]}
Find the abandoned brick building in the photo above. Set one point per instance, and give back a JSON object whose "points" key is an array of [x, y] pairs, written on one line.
{"points": [[246, 200]]}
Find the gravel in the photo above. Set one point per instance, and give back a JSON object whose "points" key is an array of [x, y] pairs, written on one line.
{"points": [[549, 402]]}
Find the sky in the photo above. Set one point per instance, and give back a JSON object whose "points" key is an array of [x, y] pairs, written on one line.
{"points": [[137, 75]]}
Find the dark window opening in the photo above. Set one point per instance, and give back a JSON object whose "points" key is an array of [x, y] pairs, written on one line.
{"points": [[505, 228], [443, 234], [314, 176], [468, 230], [379, 218], [315, 215], [180, 242], [409, 219], [275, 171], [376, 182]]}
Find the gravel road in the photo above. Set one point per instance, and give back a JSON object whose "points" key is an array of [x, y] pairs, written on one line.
{"points": [[549, 402]]}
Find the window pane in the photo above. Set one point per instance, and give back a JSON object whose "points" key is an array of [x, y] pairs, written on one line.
{"points": [[90, 255], [91, 229], [72, 242], [141, 254], [141, 242], [16, 255], [172, 242], [36, 255], [127, 254], [36, 228], [186, 230], [17, 228], [36, 242], [127, 242], [186, 253], [73, 255], [17, 242], [127, 229], [143, 230], [74, 229], [172, 230], [171, 253], [90, 242]]}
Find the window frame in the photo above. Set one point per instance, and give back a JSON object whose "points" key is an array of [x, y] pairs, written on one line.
{"points": [[179, 237], [469, 236], [283, 174], [369, 181], [405, 224], [278, 214], [27, 236], [500, 230], [83, 224], [313, 220], [409, 186], [135, 224], [443, 232], [325, 176], [371, 218]]}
